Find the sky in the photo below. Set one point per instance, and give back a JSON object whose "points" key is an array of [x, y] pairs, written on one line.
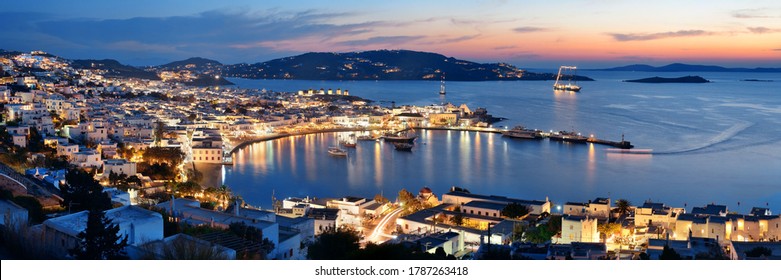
{"points": [[528, 34]]}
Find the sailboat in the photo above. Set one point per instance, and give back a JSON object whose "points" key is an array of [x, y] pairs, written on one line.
{"points": [[442, 85], [569, 86]]}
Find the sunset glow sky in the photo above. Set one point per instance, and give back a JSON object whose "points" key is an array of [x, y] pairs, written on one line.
{"points": [[529, 34]]}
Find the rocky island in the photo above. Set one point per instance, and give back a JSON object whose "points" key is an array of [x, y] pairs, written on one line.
{"points": [[680, 80]]}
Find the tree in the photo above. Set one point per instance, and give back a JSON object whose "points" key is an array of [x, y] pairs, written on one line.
{"points": [[607, 229], [100, 240], [669, 254], [515, 210], [380, 199], [623, 206], [410, 203], [457, 219], [34, 208], [188, 188], [543, 232], [223, 194], [335, 244], [167, 155], [518, 230], [81, 192]]}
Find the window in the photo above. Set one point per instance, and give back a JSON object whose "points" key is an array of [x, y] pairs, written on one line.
{"points": [[712, 231], [570, 228], [479, 213], [494, 214], [291, 252], [471, 211]]}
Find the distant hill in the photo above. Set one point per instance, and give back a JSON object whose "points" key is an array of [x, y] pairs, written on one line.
{"points": [[194, 63], [381, 65], [114, 68], [680, 67], [660, 80]]}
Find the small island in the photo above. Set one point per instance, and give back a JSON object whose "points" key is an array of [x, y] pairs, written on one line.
{"points": [[659, 80]]}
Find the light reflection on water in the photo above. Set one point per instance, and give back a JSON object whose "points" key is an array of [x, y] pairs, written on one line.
{"points": [[717, 142]]}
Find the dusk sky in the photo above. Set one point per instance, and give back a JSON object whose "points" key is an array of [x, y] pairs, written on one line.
{"points": [[529, 34]]}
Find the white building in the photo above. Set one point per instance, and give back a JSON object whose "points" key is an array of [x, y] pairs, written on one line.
{"points": [[14, 216], [119, 166], [578, 229], [60, 234]]}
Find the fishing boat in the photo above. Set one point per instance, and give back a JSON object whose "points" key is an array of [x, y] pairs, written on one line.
{"points": [[335, 151], [350, 142]]}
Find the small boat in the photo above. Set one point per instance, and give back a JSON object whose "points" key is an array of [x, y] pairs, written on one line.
{"points": [[335, 151], [567, 136], [523, 133], [349, 144], [365, 138], [403, 147]]}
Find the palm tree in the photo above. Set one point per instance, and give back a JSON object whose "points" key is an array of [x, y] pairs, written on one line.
{"points": [[623, 206], [223, 194]]}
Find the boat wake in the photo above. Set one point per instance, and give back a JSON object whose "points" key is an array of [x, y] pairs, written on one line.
{"points": [[720, 138]]}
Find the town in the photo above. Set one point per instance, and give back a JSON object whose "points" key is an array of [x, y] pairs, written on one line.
{"points": [[85, 152]]}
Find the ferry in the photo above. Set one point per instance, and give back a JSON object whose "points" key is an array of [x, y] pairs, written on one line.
{"points": [[335, 151], [567, 136], [523, 133]]}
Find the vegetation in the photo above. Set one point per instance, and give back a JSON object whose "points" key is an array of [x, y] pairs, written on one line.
{"points": [[623, 206], [607, 229], [515, 210], [100, 240], [542, 233], [335, 244], [81, 192], [35, 214], [380, 199], [669, 254], [409, 202], [164, 155]]}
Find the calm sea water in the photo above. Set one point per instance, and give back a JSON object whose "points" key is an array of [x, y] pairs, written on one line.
{"points": [[716, 142]]}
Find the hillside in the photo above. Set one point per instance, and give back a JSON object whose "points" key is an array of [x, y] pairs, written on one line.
{"points": [[381, 65], [680, 67], [194, 63], [114, 69]]}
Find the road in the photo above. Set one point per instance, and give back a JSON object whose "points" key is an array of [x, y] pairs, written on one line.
{"points": [[378, 234]]}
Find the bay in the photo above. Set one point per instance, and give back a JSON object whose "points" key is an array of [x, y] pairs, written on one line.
{"points": [[716, 142]]}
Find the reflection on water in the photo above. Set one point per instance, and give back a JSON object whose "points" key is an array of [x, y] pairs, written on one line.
{"points": [[481, 162], [721, 141]]}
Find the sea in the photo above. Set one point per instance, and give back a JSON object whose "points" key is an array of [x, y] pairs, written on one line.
{"points": [[717, 142]]}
